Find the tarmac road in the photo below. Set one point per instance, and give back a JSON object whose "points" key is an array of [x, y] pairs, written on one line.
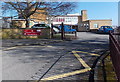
{"points": [[31, 62]]}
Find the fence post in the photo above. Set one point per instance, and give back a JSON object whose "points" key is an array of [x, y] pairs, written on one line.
{"points": [[62, 31], [51, 30], [75, 34]]}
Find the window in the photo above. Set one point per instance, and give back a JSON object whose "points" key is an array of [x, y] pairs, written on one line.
{"points": [[81, 24], [56, 19], [59, 20], [95, 25], [66, 19]]}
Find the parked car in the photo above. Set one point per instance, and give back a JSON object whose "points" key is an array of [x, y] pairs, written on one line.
{"points": [[55, 28], [105, 29], [40, 26], [67, 28]]}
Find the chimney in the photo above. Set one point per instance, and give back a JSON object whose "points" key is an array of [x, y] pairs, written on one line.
{"points": [[84, 15]]}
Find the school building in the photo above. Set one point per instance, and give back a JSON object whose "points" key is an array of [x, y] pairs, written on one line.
{"points": [[81, 21]]}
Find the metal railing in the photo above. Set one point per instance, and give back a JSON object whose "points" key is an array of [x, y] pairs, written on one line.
{"points": [[114, 42], [101, 59], [62, 31]]}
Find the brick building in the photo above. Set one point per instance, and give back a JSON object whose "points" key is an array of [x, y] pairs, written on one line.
{"points": [[38, 17], [81, 21], [84, 24]]}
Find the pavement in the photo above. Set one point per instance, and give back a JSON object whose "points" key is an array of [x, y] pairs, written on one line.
{"points": [[32, 59]]}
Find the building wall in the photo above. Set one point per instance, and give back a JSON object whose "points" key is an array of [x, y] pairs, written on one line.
{"points": [[75, 19], [83, 23], [21, 23], [39, 16], [96, 24], [93, 24], [69, 20], [86, 25], [84, 15], [83, 26]]}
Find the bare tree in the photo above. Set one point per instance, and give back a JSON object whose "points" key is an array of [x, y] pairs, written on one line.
{"points": [[26, 9]]}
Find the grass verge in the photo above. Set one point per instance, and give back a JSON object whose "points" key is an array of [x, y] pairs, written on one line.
{"points": [[110, 73]]}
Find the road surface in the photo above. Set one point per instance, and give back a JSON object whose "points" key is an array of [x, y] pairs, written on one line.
{"points": [[53, 60]]}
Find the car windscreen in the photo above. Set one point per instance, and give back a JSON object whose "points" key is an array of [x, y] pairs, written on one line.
{"points": [[39, 25], [56, 27], [107, 27]]}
